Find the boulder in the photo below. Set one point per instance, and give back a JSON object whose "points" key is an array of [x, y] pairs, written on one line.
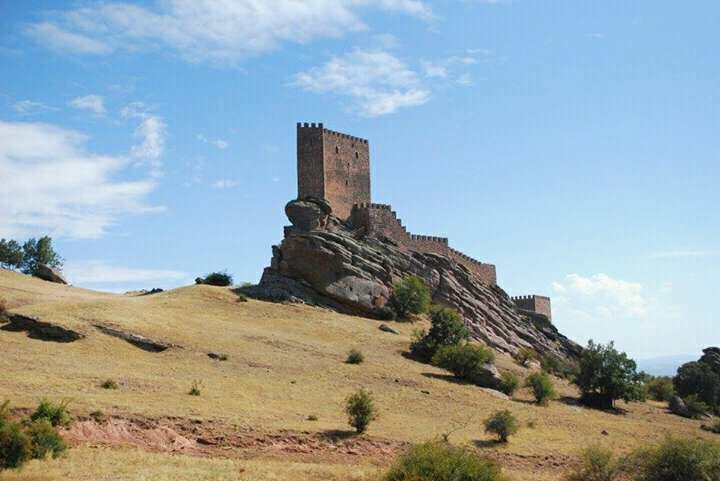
{"points": [[488, 376], [50, 274], [308, 213], [323, 262]]}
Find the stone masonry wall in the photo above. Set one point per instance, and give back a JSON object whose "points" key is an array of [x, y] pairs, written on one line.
{"points": [[379, 220], [310, 162], [539, 304]]}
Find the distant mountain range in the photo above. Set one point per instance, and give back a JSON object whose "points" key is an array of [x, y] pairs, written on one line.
{"points": [[665, 366]]}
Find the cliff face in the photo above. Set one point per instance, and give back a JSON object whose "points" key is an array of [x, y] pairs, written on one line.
{"points": [[322, 262]]}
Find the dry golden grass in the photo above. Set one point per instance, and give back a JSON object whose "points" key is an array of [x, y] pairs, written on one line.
{"points": [[285, 363]]}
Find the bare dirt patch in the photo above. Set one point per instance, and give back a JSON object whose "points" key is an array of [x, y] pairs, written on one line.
{"points": [[218, 439]]}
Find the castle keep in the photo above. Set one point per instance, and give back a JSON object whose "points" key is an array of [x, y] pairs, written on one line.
{"points": [[336, 167]]}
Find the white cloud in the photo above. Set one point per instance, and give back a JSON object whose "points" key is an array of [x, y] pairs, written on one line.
{"points": [[53, 185], [599, 298], [225, 184], [435, 70], [376, 81], [151, 132], [93, 103], [219, 143], [29, 106], [209, 30], [99, 272], [59, 39]]}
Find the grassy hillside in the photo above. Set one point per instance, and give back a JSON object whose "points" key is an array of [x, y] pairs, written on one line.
{"points": [[285, 362]]}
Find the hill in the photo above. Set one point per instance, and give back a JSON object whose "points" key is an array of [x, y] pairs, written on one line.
{"points": [[284, 363]]}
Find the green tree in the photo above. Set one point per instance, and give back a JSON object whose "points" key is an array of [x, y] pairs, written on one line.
{"points": [[606, 375], [463, 360], [660, 388], [39, 251], [698, 378], [410, 296], [11, 254], [447, 329], [503, 424], [360, 409]]}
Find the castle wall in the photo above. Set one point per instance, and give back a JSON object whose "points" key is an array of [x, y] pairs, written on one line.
{"points": [[347, 171], [539, 304], [379, 220]]}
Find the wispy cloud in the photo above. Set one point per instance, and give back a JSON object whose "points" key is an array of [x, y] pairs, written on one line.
{"points": [[30, 107], [219, 143], [225, 184], [151, 132], [376, 81], [100, 272], [56, 186], [677, 253], [208, 30], [93, 103]]}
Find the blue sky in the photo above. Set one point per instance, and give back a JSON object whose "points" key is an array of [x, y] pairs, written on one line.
{"points": [[574, 145]]}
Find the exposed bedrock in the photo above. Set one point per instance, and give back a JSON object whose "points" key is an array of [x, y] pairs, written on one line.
{"points": [[323, 262]]}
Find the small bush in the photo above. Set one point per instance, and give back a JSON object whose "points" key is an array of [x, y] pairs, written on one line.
{"points": [[45, 439], [463, 360], [447, 329], [355, 357], [596, 464], [678, 460], [503, 424], [510, 382], [410, 296], [360, 409], [216, 279], [387, 313], [15, 446], [109, 384], [541, 386], [195, 388], [312, 417], [525, 355], [98, 416], [714, 427], [56, 413], [660, 389], [695, 407], [440, 461]]}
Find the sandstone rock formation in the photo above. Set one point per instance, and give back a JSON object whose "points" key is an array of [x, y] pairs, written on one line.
{"points": [[47, 273], [323, 262]]}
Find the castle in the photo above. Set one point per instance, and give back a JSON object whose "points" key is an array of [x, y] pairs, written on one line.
{"points": [[336, 167]]}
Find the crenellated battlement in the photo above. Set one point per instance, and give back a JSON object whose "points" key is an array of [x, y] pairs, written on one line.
{"points": [[534, 303]]}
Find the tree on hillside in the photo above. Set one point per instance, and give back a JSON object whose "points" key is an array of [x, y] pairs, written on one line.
{"points": [[699, 379], [11, 254], [39, 251], [606, 375], [447, 329]]}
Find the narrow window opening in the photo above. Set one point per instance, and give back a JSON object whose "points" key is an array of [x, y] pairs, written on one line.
{"points": [[337, 149]]}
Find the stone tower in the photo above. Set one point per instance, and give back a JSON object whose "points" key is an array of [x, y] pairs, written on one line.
{"points": [[333, 166]]}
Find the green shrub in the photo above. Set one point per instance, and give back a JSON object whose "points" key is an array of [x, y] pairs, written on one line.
{"points": [[447, 329], [109, 384], [678, 460], [596, 464], [360, 409], [606, 375], [44, 439], [312, 417], [15, 446], [541, 386], [387, 313], [355, 357], [503, 424], [195, 388], [216, 279], [410, 296], [660, 389], [56, 413], [440, 461], [560, 367], [525, 355], [463, 360], [510, 382], [695, 407], [713, 427]]}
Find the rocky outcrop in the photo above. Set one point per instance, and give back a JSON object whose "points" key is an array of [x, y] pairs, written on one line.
{"points": [[323, 262], [50, 274]]}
